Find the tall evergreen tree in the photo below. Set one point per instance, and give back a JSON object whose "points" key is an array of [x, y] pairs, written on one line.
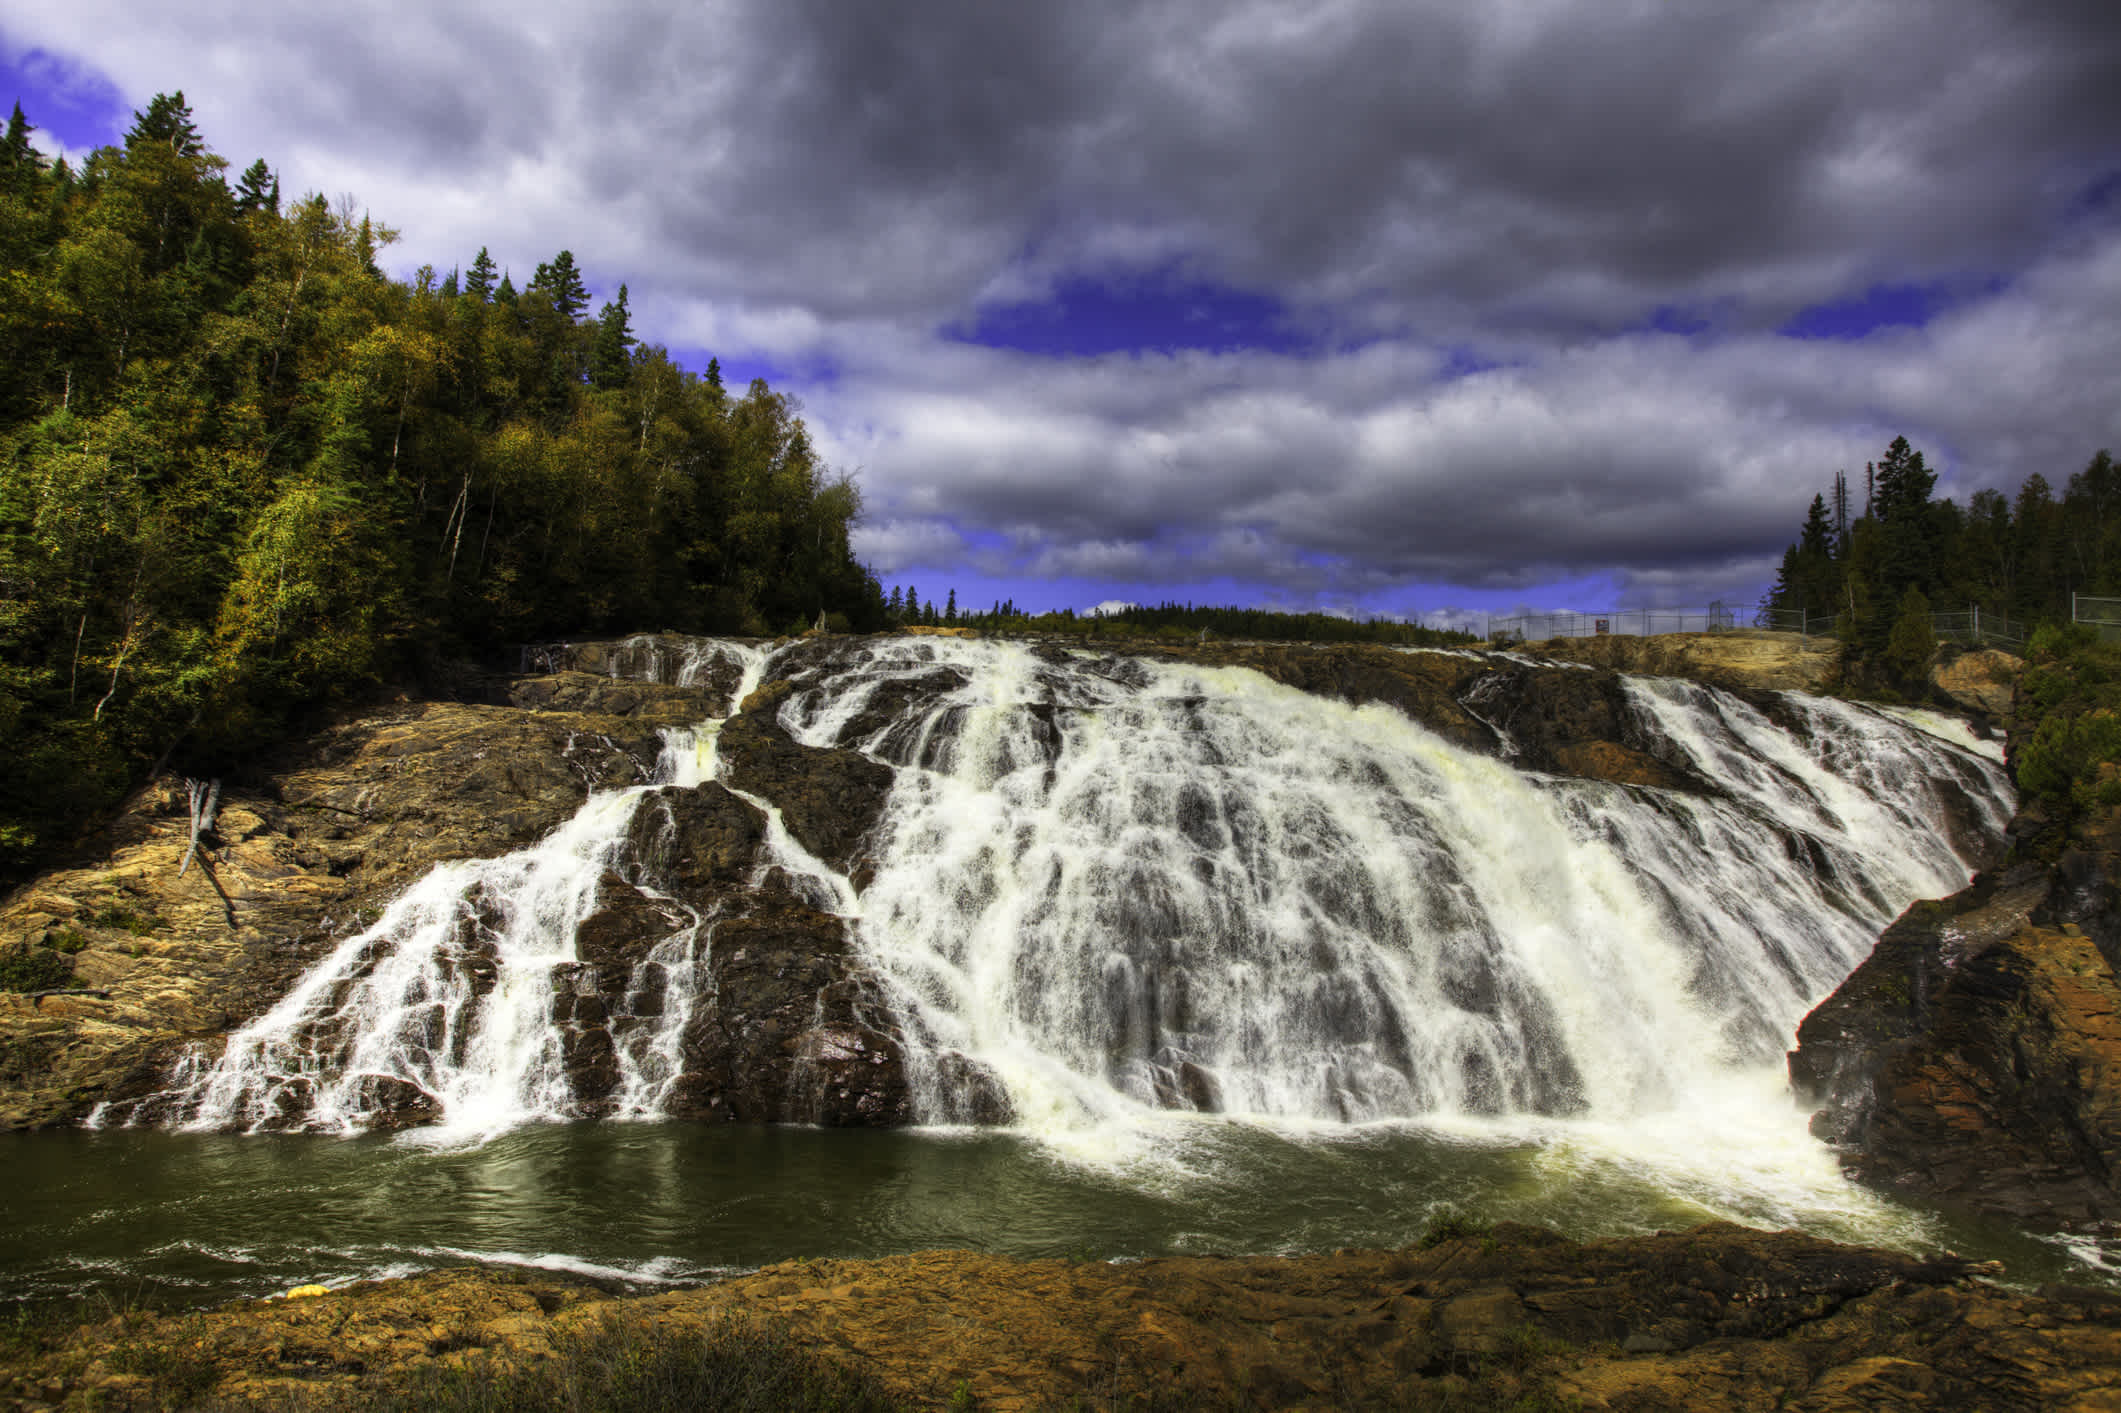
{"points": [[478, 280], [561, 283], [257, 190], [166, 122], [609, 356], [19, 164]]}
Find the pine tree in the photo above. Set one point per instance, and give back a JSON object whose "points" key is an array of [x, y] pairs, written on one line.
{"points": [[562, 283], [950, 608], [609, 361], [714, 379], [19, 164], [505, 292], [168, 121], [257, 190], [1903, 483], [478, 280]]}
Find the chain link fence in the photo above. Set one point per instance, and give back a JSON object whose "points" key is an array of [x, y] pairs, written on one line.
{"points": [[2103, 614], [1974, 626]]}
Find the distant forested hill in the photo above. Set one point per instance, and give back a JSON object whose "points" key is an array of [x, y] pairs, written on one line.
{"points": [[243, 471]]}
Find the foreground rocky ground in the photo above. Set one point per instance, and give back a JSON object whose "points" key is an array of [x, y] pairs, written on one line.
{"points": [[1516, 1317]]}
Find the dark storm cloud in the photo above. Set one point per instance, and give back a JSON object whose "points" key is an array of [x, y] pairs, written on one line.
{"points": [[1525, 186]]}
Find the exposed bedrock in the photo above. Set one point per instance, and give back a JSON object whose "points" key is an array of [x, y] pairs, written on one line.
{"points": [[1516, 1317], [316, 844], [1975, 1056]]}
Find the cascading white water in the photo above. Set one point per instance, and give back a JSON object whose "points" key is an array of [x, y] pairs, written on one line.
{"points": [[1125, 888], [447, 999], [1122, 885]]}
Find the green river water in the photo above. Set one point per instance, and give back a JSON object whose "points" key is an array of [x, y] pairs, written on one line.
{"points": [[190, 1218]]}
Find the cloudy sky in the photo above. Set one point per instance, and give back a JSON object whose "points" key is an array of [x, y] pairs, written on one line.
{"points": [[1378, 306]]}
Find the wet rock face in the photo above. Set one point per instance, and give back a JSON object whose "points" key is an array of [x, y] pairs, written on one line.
{"points": [[305, 850], [1555, 719], [1975, 1056], [830, 799], [790, 1028], [795, 1033]]}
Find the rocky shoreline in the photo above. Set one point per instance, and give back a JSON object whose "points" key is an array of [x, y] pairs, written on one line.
{"points": [[1509, 1317]]}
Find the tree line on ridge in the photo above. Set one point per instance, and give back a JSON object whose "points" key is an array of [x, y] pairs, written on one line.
{"points": [[243, 471]]}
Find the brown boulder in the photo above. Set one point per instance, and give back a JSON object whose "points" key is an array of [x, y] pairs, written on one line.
{"points": [[1982, 680]]}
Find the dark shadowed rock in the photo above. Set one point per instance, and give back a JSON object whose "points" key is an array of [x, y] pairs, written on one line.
{"points": [[829, 799], [697, 843], [1975, 1055], [795, 1033]]}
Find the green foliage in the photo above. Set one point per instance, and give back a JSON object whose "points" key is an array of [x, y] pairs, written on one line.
{"points": [[24, 968], [1914, 641], [243, 473], [2064, 756], [1450, 1226], [2012, 559]]}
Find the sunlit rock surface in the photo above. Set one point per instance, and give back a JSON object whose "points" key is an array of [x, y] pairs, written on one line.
{"points": [[1715, 1318]]}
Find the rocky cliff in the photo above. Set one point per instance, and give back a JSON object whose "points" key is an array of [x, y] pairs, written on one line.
{"points": [[1975, 1056]]}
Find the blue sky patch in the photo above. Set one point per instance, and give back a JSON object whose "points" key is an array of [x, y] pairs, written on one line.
{"points": [[62, 100], [1154, 313], [1879, 307]]}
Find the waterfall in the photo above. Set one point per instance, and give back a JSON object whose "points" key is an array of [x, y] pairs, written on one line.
{"points": [[1119, 886], [444, 1008], [1118, 883]]}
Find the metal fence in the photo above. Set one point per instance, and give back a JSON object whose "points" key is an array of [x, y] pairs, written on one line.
{"points": [[1973, 626], [1633, 622], [2102, 613]]}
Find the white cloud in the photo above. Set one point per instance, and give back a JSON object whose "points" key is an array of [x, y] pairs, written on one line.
{"points": [[826, 187]]}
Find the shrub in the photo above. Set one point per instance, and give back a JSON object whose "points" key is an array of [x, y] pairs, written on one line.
{"points": [[1449, 1227], [33, 969]]}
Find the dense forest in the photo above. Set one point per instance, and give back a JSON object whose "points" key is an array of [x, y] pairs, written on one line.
{"points": [[242, 471], [1876, 573]]}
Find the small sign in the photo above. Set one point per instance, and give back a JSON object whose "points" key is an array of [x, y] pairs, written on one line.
{"points": [[1601, 626]]}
